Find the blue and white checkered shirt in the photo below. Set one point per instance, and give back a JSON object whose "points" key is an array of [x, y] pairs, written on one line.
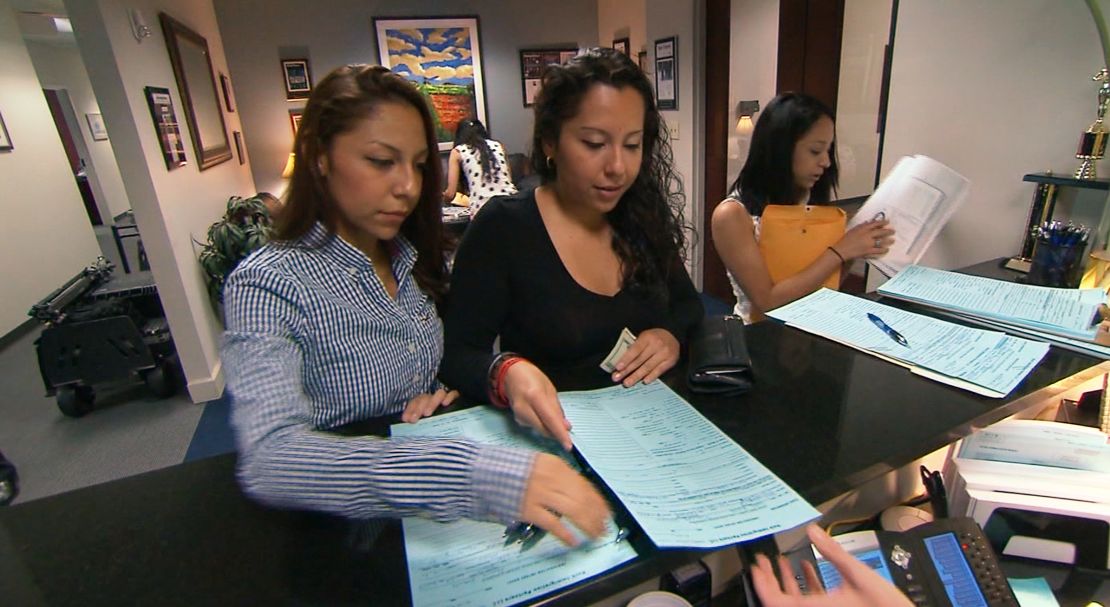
{"points": [[313, 342]]}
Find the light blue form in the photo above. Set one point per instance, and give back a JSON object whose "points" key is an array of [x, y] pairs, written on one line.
{"points": [[465, 563], [1040, 443], [1033, 592], [990, 359], [686, 483], [1067, 312]]}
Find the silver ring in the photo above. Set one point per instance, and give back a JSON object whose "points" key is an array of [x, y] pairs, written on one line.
{"points": [[878, 243]]}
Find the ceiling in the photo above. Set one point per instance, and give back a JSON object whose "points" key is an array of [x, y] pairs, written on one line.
{"points": [[55, 7], [36, 21]]}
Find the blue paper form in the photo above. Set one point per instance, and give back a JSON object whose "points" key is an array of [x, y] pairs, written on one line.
{"points": [[988, 362], [1033, 592], [464, 563], [686, 483], [1067, 312], [1040, 443]]}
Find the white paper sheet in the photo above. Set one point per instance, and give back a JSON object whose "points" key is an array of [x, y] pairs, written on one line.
{"points": [[918, 196]]}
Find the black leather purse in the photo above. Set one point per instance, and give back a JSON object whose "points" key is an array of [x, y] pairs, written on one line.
{"points": [[719, 361]]}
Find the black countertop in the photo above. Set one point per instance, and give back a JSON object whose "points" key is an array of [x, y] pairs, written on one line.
{"points": [[823, 417]]}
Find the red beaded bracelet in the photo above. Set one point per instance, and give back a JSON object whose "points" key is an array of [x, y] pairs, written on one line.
{"points": [[491, 375], [499, 385]]}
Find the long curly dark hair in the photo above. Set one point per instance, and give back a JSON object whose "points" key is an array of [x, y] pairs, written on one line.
{"points": [[648, 230], [768, 174], [474, 134], [341, 99]]}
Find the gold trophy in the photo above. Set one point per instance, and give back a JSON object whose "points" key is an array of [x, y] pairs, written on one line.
{"points": [[1092, 143]]}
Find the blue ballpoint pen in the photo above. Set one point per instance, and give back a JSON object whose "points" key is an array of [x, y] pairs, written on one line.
{"points": [[896, 336]]}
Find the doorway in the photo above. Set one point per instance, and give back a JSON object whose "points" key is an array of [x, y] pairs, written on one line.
{"points": [[836, 50], [65, 120]]}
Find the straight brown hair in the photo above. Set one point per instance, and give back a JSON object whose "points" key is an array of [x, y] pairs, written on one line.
{"points": [[338, 102]]}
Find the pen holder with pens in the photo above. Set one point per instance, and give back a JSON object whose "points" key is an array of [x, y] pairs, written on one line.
{"points": [[1056, 264]]}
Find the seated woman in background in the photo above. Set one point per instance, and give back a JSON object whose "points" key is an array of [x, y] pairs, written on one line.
{"points": [[334, 322], [559, 271], [481, 162], [792, 160]]}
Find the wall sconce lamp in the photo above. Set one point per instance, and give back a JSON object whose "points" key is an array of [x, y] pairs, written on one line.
{"points": [[287, 172], [744, 112], [139, 28]]}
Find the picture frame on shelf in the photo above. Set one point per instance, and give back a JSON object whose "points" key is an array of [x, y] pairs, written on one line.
{"points": [[621, 44], [96, 127], [297, 78], [225, 87], [532, 64], [442, 56], [295, 119], [666, 73], [5, 139], [165, 126]]}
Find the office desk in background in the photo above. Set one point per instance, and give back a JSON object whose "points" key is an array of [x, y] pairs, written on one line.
{"points": [[825, 418]]}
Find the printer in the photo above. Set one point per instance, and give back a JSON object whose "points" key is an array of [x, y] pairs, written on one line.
{"points": [[1038, 489]]}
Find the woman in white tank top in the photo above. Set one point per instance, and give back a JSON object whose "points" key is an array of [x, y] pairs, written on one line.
{"points": [[792, 160]]}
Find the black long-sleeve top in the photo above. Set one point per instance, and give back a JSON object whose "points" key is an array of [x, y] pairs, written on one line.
{"points": [[508, 280]]}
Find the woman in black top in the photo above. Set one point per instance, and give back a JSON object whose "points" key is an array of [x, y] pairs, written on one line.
{"points": [[558, 273]]}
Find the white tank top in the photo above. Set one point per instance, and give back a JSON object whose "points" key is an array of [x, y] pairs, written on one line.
{"points": [[743, 307]]}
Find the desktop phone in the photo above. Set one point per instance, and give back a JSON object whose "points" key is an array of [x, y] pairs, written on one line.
{"points": [[948, 562]]}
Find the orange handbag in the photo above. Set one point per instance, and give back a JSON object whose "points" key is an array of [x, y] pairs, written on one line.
{"points": [[793, 236]]}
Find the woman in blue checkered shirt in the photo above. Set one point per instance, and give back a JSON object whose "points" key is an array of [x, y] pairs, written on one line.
{"points": [[335, 322]]}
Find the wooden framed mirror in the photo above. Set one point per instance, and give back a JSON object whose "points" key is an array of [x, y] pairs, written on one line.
{"points": [[196, 83]]}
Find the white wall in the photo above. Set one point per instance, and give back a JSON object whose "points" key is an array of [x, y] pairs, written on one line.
{"points": [[61, 67], [994, 94], [752, 69], [622, 19], [171, 207], [45, 238], [685, 21], [256, 31]]}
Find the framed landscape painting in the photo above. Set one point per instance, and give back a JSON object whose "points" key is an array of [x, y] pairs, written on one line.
{"points": [[443, 57]]}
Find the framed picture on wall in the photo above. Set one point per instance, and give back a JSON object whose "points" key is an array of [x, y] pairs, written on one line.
{"points": [[666, 73], [532, 64], [5, 140], [165, 125], [96, 127], [238, 137], [443, 58], [295, 119], [621, 44], [225, 86], [298, 80], [198, 92]]}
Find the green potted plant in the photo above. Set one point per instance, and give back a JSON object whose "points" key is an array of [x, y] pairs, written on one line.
{"points": [[244, 228]]}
